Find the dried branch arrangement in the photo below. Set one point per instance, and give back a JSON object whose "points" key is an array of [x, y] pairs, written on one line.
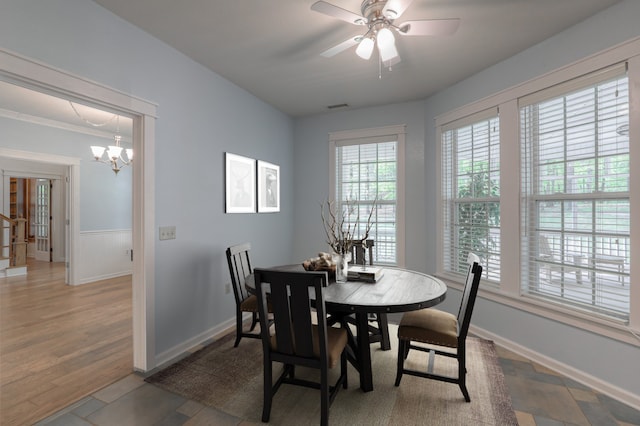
{"points": [[341, 226]]}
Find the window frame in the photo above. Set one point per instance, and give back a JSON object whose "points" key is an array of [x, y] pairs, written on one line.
{"points": [[509, 292], [451, 201], [597, 292], [369, 136]]}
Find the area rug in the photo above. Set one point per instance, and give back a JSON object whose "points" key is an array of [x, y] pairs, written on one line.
{"points": [[230, 379]]}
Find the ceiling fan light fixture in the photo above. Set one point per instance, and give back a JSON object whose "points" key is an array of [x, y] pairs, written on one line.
{"points": [[365, 48], [386, 45]]}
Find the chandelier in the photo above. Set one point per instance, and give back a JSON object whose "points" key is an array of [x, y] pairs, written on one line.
{"points": [[116, 156]]}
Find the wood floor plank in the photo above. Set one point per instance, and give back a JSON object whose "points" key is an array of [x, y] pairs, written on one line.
{"points": [[59, 343]]}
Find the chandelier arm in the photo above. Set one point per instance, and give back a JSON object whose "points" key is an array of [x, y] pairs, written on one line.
{"points": [[88, 121]]}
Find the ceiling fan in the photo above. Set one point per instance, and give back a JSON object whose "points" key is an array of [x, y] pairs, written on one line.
{"points": [[378, 17]]}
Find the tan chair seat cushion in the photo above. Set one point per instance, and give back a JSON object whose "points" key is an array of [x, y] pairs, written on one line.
{"points": [[336, 341], [250, 304], [429, 326]]}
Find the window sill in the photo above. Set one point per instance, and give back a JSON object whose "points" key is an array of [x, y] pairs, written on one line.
{"points": [[609, 328]]}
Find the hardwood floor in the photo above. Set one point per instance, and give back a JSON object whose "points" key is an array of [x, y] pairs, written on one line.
{"points": [[60, 343]]}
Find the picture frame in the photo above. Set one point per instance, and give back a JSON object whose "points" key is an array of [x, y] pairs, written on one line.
{"points": [[240, 181], [268, 187]]}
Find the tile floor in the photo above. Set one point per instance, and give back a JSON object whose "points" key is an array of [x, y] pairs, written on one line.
{"points": [[540, 397]]}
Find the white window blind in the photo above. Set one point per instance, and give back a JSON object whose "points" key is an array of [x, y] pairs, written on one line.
{"points": [[368, 172], [471, 193], [575, 186]]}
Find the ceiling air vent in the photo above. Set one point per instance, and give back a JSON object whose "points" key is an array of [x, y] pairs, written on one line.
{"points": [[338, 106]]}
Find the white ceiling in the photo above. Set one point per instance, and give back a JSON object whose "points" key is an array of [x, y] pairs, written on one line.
{"points": [[272, 49], [20, 103]]}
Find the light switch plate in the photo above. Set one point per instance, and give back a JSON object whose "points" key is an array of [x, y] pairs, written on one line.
{"points": [[167, 233]]}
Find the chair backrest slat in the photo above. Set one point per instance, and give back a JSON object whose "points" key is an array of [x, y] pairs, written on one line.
{"points": [[469, 294], [239, 268], [361, 251], [292, 295], [300, 308]]}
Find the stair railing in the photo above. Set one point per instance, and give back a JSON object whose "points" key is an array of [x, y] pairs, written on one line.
{"points": [[13, 241]]}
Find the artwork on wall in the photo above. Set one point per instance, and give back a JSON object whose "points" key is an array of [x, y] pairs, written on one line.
{"points": [[240, 184], [268, 187]]}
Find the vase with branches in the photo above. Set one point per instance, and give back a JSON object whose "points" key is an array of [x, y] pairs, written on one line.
{"points": [[343, 229]]}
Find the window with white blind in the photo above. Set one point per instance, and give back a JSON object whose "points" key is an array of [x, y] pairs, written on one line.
{"points": [[575, 193], [367, 169], [470, 192]]}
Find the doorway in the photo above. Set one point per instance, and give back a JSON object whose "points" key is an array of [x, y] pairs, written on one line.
{"points": [[25, 72], [32, 199]]}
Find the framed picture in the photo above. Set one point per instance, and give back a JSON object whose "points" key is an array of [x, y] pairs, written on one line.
{"points": [[240, 174], [268, 187]]}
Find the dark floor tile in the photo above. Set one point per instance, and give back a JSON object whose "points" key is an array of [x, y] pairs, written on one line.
{"points": [[526, 370], [543, 421], [575, 385], [597, 414], [68, 419], [544, 399], [620, 411], [173, 419], [211, 416], [144, 405], [90, 406], [513, 368]]}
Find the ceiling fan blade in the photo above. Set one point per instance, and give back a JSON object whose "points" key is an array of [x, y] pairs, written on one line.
{"points": [[429, 27], [394, 8], [338, 12], [341, 47]]}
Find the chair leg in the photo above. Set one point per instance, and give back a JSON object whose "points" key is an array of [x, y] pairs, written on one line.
{"points": [[343, 369], [268, 391], [238, 328], [324, 398], [254, 320], [401, 357], [291, 368], [462, 374]]}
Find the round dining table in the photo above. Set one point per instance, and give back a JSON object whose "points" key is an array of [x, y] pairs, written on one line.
{"points": [[398, 290]]}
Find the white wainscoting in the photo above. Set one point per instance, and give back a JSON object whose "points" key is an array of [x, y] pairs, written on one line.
{"points": [[104, 254]]}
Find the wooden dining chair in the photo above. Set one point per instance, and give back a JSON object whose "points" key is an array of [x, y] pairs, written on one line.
{"points": [[361, 252], [432, 327], [239, 268], [297, 340]]}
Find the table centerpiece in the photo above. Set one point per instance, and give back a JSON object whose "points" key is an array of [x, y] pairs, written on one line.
{"points": [[342, 227]]}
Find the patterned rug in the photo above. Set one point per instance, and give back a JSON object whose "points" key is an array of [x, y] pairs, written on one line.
{"points": [[230, 379]]}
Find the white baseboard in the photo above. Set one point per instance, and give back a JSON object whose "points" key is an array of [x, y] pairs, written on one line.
{"points": [[88, 280], [214, 333], [579, 376], [14, 271]]}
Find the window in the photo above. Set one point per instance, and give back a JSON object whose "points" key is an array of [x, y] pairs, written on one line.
{"points": [[367, 167], [471, 192], [575, 184]]}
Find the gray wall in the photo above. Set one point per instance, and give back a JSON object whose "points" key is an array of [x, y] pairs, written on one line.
{"points": [[105, 199], [200, 116], [312, 174], [582, 350]]}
